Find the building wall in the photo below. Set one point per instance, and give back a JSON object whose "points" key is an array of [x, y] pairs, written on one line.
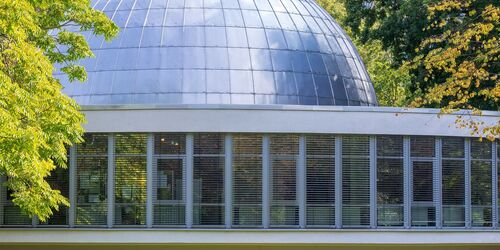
{"points": [[226, 180]]}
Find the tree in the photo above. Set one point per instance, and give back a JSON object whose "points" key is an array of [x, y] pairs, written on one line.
{"points": [[398, 24], [459, 66], [390, 83], [37, 121]]}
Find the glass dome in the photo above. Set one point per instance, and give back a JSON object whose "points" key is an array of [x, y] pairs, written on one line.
{"points": [[222, 52]]}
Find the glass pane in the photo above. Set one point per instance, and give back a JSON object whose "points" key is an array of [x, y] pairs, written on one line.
{"points": [[130, 179], [423, 211], [208, 196], [284, 207], [320, 189], [355, 181], [247, 180]]}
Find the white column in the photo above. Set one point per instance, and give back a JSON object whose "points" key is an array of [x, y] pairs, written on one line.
{"points": [[468, 204], [495, 183], [228, 180], [72, 186], [301, 182], [438, 177], [265, 181], [3, 198], [189, 180], [373, 181], [149, 181], [407, 182], [111, 180], [338, 182]]}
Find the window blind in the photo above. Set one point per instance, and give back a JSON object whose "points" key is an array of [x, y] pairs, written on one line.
{"points": [[12, 215], [247, 180], [59, 180], [208, 171], [320, 180], [453, 182], [423, 207], [130, 179], [91, 178], [284, 151], [390, 181], [355, 181], [481, 185], [169, 185]]}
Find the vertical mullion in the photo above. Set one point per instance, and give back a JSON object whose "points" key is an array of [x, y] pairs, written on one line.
{"points": [[373, 181], [468, 172], [338, 182], [72, 186], [494, 184], [111, 179], [34, 221], [438, 200], [189, 179], [407, 181], [3, 198], [301, 181], [149, 181], [265, 181], [228, 179]]}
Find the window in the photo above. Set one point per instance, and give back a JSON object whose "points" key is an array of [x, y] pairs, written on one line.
{"points": [[91, 180], [169, 187], [208, 168], [355, 181], [390, 181], [12, 215], [59, 180], [423, 209], [247, 180], [130, 179], [481, 185], [284, 150], [320, 179], [453, 182]]}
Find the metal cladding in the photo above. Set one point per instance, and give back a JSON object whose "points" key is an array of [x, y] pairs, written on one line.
{"points": [[222, 52]]}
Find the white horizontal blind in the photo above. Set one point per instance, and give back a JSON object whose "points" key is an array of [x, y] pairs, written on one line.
{"points": [[59, 180], [12, 215], [423, 207], [130, 179], [284, 208], [453, 182], [390, 181], [498, 181], [355, 181], [320, 181], [481, 184], [208, 170], [91, 180], [169, 177], [247, 180]]}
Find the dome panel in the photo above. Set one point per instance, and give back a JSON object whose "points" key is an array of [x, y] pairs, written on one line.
{"points": [[222, 52]]}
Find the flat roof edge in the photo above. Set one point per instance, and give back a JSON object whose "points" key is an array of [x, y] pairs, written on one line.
{"points": [[284, 108]]}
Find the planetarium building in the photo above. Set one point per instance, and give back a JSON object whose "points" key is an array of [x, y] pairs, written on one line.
{"points": [[253, 124]]}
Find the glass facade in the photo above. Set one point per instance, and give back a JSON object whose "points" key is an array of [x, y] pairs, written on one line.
{"points": [[222, 52], [221, 180]]}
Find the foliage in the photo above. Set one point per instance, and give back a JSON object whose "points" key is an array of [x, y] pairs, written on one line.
{"points": [[390, 83], [460, 65], [398, 24], [37, 121]]}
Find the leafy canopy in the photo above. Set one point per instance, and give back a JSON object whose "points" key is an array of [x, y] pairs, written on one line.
{"points": [[37, 121], [390, 83], [460, 65]]}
